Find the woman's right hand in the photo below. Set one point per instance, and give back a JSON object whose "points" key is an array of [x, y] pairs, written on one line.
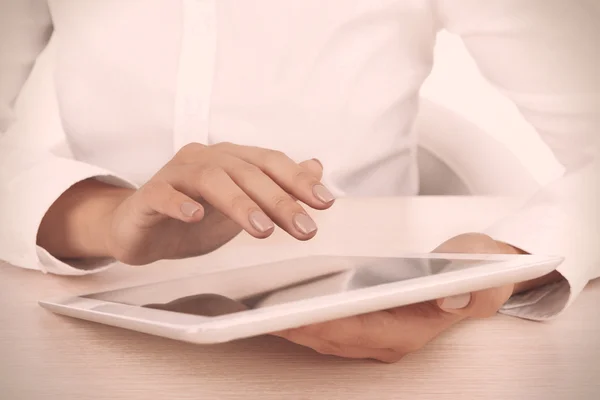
{"points": [[202, 198]]}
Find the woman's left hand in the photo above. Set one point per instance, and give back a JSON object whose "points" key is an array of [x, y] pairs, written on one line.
{"points": [[391, 334]]}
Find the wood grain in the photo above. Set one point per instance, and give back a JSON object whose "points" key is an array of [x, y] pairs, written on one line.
{"points": [[45, 356]]}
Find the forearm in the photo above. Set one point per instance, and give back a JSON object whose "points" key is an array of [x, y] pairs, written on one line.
{"points": [[77, 224]]}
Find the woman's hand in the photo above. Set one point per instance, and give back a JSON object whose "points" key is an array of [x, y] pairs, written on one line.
{"points": [[197, 202], [391, 334]]}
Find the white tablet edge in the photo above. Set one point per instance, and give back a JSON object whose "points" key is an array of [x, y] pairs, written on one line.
{"points": [[206, 330]]}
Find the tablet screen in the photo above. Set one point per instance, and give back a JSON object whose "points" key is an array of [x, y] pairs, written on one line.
{"points": [[283, 282]]}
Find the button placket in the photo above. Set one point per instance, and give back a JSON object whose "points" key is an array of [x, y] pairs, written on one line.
{"points": [[196, 73]]}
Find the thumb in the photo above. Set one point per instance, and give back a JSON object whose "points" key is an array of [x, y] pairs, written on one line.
{"points": [[484, 303], [481, 304]]}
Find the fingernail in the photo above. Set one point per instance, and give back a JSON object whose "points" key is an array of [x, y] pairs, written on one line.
{"points": [[456, 302], [260, 221], [323, 194], [304, 223], [318, 162], [189, 209]]}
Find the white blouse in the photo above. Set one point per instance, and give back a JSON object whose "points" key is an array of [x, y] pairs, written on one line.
{"points": [[333, 79]]}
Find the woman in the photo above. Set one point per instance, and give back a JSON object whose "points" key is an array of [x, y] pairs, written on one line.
{"points": [[189, 121]]}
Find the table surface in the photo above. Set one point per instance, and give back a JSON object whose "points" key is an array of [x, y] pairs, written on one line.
{"points": [[46, 356]]}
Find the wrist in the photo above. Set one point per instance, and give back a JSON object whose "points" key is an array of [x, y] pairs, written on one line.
{"points": [[522, 287], [548, 279], [99, 236], [77, 225]]}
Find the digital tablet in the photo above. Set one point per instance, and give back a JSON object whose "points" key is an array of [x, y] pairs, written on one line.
{"points": [[238, 303]]}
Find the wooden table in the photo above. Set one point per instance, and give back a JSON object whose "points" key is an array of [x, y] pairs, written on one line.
{"points": [[45, 356]]}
